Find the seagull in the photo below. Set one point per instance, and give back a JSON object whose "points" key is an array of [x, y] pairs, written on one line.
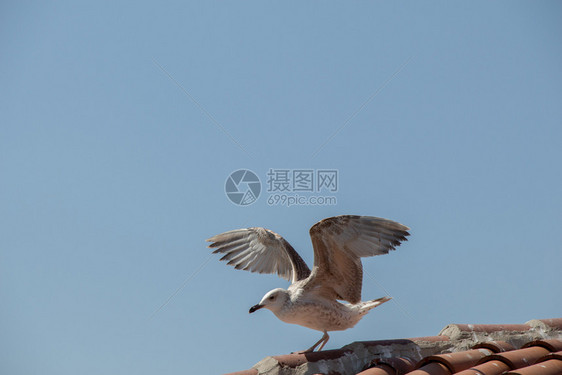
{"points": [[328, 298]]}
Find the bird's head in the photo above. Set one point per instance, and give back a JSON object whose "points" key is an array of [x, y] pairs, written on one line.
{"points": [[273, 300]]}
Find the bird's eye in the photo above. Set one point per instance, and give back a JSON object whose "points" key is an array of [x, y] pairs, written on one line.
{"points": [[271, 298]]}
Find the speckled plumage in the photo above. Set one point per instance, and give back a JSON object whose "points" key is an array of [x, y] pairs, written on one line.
{"points": [[313, 299]]}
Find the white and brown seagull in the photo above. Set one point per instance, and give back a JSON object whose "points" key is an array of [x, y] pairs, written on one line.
{"points": [[313, 298]]}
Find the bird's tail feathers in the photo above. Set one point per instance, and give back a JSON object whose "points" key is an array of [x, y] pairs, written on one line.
{"points": [[368, 305]]}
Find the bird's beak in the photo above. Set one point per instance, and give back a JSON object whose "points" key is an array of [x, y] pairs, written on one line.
{"points": [[255, 308]]}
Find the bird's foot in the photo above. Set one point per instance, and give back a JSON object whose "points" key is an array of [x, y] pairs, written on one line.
{"points": [[322, 341], [302, 351]]}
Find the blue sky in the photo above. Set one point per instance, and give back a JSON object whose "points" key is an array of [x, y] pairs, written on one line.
{"points": [[120, 123]]}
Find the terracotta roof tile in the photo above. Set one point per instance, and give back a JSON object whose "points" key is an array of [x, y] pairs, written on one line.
{"points": [[533, 348], [432, 368], [555, 323], [495, 346], [518, 358], [552, 345], [489, 328], [381, 369], [551, 367], [459, 361], [557, 355], [397, 366], [487, 368]]}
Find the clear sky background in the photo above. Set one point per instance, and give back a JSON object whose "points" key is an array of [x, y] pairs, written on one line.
{"points": [[112, 177]]}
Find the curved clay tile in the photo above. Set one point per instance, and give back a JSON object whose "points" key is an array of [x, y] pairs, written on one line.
{"points": [[555, 323], [518, 358], [433, 368], [489, 328], [495, 346], [458, 361], [398, 366], [551, 367], [488, 368], [557, 355], [551, 345]]}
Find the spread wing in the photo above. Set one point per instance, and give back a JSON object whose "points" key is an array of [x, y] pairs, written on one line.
{"points": [[260, 250], [339, 244]]}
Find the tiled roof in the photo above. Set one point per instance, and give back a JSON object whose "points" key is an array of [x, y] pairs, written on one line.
{"points": [[533, 348]]}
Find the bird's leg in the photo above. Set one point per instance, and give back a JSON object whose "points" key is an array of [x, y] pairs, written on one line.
{"points": [[323, 340]]}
